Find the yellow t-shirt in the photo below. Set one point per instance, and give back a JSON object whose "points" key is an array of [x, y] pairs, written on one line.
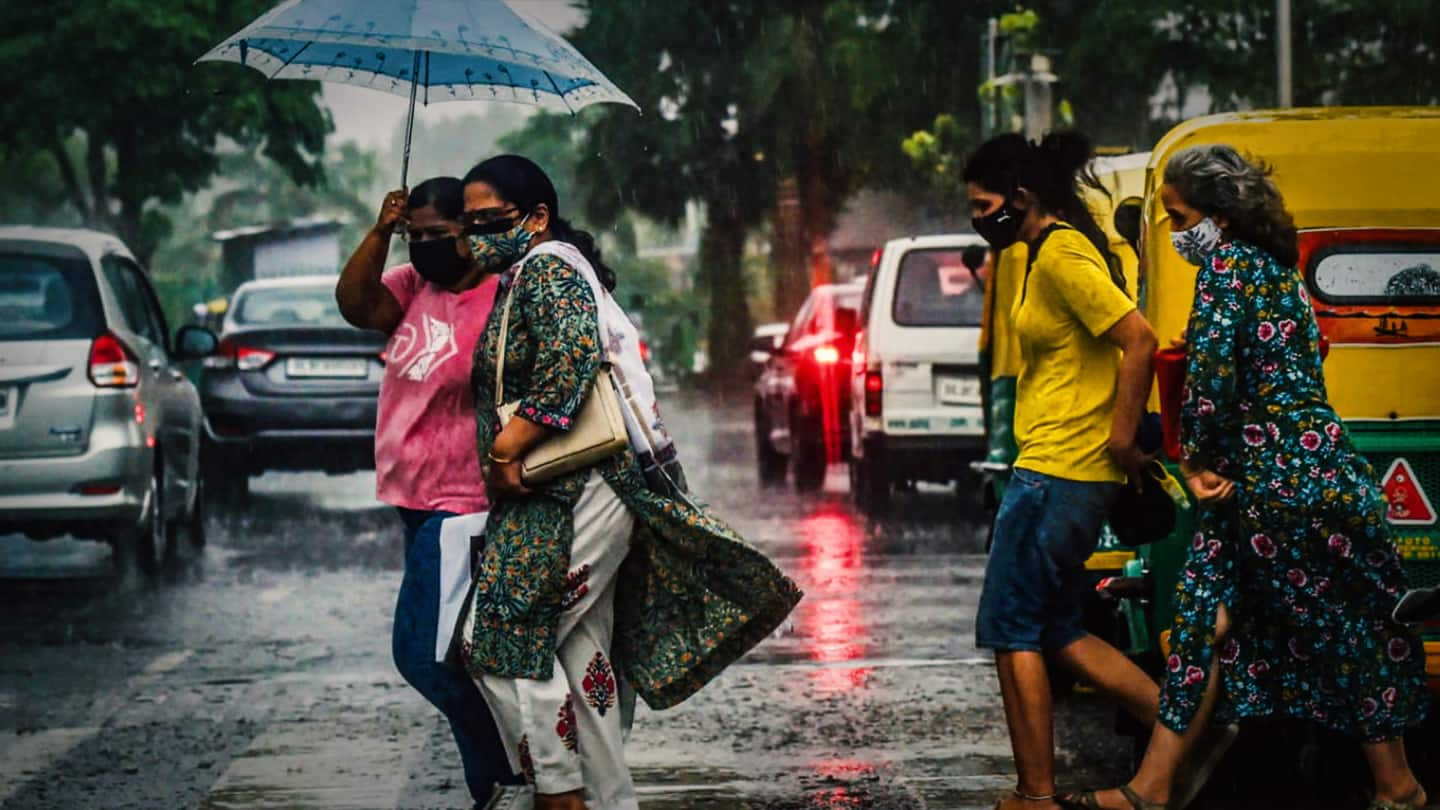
{"points": [[1065, 396]]}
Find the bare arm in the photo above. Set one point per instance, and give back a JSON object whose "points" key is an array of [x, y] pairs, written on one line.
{"points": [[365, 302], [1132, 387]]}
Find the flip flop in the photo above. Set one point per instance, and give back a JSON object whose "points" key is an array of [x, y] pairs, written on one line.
{"points": [[1088, 801]]}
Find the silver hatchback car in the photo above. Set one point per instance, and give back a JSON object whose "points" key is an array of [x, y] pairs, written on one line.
{"points": [[100, 430]]}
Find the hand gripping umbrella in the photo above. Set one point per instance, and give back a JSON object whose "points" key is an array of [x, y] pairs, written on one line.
{"points": [[436, 50]]}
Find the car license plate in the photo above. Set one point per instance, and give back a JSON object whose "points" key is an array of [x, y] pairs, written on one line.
{"points": [[325, 367], [959, 390]]}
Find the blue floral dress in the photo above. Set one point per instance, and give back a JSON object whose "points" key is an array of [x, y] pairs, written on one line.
{"points": [[1301, 556]]}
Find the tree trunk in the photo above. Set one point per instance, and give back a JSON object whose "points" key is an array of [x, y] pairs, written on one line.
{"points": [[722, 281], [789, 251]]}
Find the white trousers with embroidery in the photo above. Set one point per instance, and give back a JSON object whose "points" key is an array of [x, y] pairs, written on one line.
{"points": [[566, 733]]}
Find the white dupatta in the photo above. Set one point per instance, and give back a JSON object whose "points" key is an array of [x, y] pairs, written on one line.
{"points": [[620, 342]]}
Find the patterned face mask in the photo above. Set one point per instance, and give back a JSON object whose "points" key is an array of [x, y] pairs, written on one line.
{"points": [[1195, 243], [496, 252]]}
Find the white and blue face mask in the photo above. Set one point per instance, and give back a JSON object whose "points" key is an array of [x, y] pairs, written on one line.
{"points": [[1196, 242]]}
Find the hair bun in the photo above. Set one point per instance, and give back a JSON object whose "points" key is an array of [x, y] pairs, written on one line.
{"points": [[1068, 150]]}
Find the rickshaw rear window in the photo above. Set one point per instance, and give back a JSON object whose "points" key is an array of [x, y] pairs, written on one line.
{"points": [[1370, 276]]}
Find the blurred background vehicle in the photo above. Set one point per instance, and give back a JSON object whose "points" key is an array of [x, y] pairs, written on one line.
{"points": [[293, 386], [767, 339], [915, 398], [803, 391], [100, 431]]}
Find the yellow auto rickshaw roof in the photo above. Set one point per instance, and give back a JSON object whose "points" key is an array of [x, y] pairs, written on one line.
{"points": [[1338, 167]]}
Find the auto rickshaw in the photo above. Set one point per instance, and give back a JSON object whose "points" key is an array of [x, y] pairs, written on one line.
{"points": [[1123, 178], [1364, 187]]}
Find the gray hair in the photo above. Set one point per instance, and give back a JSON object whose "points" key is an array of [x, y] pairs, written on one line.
{"points": [[1219, 182]]}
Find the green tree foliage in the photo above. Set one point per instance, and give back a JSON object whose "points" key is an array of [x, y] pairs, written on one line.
{"points": [[1115, 56], [738, 96], [938, 155], [107, 92]]}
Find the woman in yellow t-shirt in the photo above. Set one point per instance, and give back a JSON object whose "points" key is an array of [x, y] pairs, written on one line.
{"points": [[1084, 377]]}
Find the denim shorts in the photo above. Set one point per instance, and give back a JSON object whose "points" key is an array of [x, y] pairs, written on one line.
{"points": [[1035, 581]]}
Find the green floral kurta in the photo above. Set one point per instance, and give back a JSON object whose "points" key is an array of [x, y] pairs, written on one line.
{"points": [[692, 596]]}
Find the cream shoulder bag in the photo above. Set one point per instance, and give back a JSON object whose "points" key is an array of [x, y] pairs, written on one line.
{"points": [[598, 432]]}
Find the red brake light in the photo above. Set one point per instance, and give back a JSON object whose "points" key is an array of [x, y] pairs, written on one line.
{"points": [[875, 257], [827, 355], [233, 355], [874, 387], [111, 363], [644, 352]]}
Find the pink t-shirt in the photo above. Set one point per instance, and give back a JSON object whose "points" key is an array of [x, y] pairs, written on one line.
{"points": [[425, 456]]}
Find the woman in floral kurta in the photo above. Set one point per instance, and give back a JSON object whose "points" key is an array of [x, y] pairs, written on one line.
{"points": [[1291, 543], [690, 596], [1300, 556]]}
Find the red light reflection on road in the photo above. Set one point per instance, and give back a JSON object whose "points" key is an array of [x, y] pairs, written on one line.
{"points": [[831, 618]]}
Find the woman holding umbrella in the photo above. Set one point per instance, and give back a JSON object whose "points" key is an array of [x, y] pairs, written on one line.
{"points": [[433, 308]]}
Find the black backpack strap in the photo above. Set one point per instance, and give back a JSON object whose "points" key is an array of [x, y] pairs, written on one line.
{"points": [[1035, 252]]}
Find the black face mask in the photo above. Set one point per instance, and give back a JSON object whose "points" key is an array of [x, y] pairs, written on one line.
{"points": [[1001, 227], [437, 262]]}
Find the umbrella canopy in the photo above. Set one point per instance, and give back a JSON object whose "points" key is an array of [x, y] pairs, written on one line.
{"points": [[436, 50]]}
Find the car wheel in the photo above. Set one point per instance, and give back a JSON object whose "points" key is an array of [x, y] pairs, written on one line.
{"points": [[147, 542], [809, 462], [769, 464], [869, 487]]}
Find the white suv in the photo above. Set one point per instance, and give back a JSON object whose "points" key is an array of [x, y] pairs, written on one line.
{"points": [[916, 412]]}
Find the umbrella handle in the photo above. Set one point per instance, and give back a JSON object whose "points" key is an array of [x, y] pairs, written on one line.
{"points": [[410, 121]]}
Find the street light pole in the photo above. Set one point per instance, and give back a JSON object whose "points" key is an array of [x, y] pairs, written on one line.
{"points": [[1283, 54]]}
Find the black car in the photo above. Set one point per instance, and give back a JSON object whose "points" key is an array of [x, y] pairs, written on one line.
{"points": [[803, 394], [292, 386]]}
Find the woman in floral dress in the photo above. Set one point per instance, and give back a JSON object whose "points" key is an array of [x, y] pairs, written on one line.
{"points": [[1292, 574], [592, 580]]}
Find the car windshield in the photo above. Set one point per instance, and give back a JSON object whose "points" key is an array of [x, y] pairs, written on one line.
{"points": [[289, 306], [1401, 277], [47, 298], [934, 288]]}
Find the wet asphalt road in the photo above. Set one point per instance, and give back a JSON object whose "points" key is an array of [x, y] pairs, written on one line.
{"points": [[257, 673]]}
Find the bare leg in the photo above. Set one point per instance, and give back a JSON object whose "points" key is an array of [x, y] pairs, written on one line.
{"points": [[1115, 675], [1394, 782], [1167, 749], [1025, 690]]}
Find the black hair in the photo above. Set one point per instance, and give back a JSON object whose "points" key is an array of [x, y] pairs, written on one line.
{"points": [[525, 185], [1054, 171], [1220, 182], [445, 194]]}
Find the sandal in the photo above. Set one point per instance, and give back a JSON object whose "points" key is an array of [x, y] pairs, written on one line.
{"points": [[1088, 801], [1411, 802]]}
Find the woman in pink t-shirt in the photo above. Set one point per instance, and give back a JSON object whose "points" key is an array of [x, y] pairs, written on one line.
{"points": [[434, 309]]}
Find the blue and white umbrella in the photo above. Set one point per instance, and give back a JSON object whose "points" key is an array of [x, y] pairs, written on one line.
{"points": [[430, 50]]}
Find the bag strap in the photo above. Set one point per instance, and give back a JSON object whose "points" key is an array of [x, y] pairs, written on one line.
{"points": [[1034, 253], [504, 338]]}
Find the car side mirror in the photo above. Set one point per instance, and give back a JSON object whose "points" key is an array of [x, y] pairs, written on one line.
{"points": [[1127, 221], [194, 342]]}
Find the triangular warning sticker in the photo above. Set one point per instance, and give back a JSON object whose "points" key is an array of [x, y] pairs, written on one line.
{"points": [[1408, 504]]}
